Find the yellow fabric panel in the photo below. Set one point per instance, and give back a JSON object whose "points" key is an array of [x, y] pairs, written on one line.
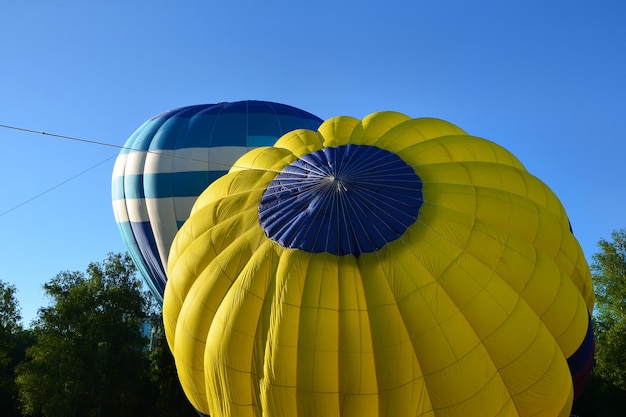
{"points": [[464, 280], [232, 185], [454, 203], [423, 129], [264, 158], [231, 377], [280, 371], [537, 378], [337, 131], [574, 265], [426, 329], [497, 177], [548, 239], [582, 278], [569, 251], [415, 131], [400, 379], [468, 368], [213, 216], [373, 126], [433, 335], [482, 394], [215, 207], [194, 324], [199, 308], [318, 342], [516, 260], [457, 149], [186, 274], [358, 385], [530, 362], [539, 291], [486, 305], [487, 244], [435, 256], [529, 225], [567, 317], [319, 319], [511, 259], [450, 211], [300, 142], [201, 251], [517, 216]]}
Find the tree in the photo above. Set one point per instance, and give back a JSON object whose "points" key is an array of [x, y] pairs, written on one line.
{"points": [[609, 275], [10, 318], [89, 357], [169, 398], [12, 339], [600, 399]]}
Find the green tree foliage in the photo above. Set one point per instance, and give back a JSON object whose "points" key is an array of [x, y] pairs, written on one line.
{"points": [[10, 318], [609, 275], [89, 355], [169, 398], [600, 399], [12, 343]]}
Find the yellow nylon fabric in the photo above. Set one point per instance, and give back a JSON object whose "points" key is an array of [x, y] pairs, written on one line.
{"points": [[473, 311]]}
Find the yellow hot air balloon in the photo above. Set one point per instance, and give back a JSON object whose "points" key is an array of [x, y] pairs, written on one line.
{"points": [[384, 267]]}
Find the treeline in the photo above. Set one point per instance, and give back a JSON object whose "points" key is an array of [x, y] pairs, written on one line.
{"points": [[97, 350], [605, 394]]}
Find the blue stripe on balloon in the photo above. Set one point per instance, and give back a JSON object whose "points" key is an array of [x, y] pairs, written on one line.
{"points": [[229, 129], [117, 188], [222, 124], [260, 140], [129, 186], [169, 136], [586, 348], [163, 185], [141, 246], [148, 248], [581, 362], [179, 184], [184, 112], [288, 123], [140, 140]]}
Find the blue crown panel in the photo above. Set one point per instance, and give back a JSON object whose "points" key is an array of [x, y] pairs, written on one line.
{"points": [[366, 195]]}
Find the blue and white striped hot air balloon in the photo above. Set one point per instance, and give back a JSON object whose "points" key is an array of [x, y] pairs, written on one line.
{"points": [[173, 157]]}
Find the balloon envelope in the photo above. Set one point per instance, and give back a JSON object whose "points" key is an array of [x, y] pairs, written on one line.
{"points": [[171, 159], [384, 267]]}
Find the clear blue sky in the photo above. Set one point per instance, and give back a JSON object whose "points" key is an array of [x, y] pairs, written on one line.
{"points": [[545, 79]]}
